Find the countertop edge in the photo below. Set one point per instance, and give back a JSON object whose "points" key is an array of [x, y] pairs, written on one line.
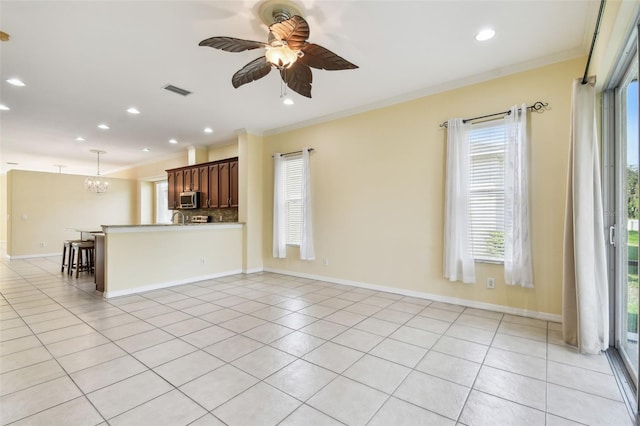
{"points": [[122, 229]]}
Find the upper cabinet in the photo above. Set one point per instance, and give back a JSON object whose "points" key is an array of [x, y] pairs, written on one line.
{"points": [[191, 180], [171, 183], [224, 184], [214, 188], [175, 180], [233, 183], [217, 183]]}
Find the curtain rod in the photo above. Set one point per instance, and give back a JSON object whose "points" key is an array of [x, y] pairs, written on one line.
{"points": [[593, 41], [294, 152], [536, 106]]}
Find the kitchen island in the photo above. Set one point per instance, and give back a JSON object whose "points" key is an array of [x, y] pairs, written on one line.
{"points": [[140, 258]]}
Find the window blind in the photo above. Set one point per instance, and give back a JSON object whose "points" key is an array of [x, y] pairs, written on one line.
{"points": [[487, 144], [293, 199]]}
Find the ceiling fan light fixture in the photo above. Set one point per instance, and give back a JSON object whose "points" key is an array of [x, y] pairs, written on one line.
{"points": [[287, 100], [280, 55]]}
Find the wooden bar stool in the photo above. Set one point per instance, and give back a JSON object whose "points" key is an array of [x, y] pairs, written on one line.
{"points": [[82, 253], [66, 255]]}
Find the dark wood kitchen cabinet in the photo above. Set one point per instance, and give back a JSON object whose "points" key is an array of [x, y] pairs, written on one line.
{"points": [[203, 186], [171, 190], [214, 191], [191, 180], [224, 184], [216, 181], [186, 175], [233, 183], [175, 185]]}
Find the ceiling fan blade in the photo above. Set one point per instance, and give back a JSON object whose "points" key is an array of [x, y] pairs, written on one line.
{"points": [[316, 56], [254, 70], [230, 44], [298, 78], [295, 31]]}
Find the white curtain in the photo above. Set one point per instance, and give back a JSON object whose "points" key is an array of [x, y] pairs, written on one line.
{"points": [[518, 269], [279, 214], [458, 260], [585, 296], [306, 237]]}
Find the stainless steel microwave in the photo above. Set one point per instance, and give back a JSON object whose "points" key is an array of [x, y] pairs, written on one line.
{"points": [[190, 200]]}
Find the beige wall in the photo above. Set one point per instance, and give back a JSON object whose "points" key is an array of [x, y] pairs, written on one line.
{"points": [[229, 150], [42, 205], [153, 170], [250, 199], [3, 207], [378, 190], [617, 22]]}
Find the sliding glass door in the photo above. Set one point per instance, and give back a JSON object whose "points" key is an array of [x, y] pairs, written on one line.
{"points": [[621, 161], [626, 300]]}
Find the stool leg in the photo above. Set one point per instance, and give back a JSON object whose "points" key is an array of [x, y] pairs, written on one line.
{"points": [[79, 263], [64, 255], [72, 261]]}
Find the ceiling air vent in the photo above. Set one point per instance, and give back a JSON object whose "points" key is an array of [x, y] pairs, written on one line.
{"points": [[178, 90]]}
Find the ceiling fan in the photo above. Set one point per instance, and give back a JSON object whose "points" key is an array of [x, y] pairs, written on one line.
{"points": [[287, 50]]}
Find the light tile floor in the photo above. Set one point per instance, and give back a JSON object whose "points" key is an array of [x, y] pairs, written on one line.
{"points": [[267, 349]]}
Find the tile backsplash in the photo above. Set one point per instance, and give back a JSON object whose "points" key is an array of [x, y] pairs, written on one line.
{"points": [[215, 215]]}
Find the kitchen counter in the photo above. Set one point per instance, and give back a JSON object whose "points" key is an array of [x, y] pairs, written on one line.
{"points": [[107, 229], [147, 257]]}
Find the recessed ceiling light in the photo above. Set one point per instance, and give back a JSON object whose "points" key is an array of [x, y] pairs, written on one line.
{"points": [[3, 107], [173, 141], [145, 150], [103, 126], [485, 34], [133, 110], [16, 82], [208, 130], [79, 139]]}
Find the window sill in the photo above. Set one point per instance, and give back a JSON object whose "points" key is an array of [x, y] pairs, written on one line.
{"points": [[491, 262]]}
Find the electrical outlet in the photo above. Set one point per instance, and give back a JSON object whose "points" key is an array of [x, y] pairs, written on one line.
{"points": [[42, 244], [325, 261], [203, 260], [491, 283]]}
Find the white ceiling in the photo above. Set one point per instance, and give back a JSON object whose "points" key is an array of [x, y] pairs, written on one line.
{"points": [[86, 62]]}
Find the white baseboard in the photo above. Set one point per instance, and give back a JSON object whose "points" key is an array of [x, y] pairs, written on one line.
{"points": [[150, 287], [435, 297], [252, 271], [31, 256]]}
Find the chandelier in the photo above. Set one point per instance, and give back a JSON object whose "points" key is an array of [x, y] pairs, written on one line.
{"points": [[97, 184]]}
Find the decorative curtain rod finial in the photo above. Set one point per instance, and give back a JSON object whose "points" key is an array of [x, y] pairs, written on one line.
{"points": [[537, 106]]}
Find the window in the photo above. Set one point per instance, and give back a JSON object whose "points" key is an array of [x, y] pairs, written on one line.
{"points": [[293, 199], [487, 143], [163, 214]]}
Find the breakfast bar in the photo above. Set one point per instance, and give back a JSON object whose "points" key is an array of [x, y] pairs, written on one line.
{"points": [[140, 258]]}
